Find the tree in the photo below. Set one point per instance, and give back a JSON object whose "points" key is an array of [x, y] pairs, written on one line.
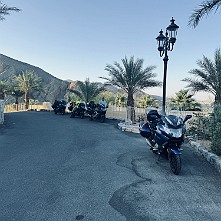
{"points": [[184, 101], [120, 99], [204, 9], [28, 82], [148, 101], [4, 88], [109, 96], [131, 78], [208, 77], [87, 90], [5, 10], [16, 94]]}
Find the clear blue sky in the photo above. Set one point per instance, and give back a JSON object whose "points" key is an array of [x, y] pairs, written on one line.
{"points": [[75, 39]]}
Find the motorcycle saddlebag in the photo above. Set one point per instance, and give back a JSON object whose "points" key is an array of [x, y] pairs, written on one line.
{"points": [[145, 130]]}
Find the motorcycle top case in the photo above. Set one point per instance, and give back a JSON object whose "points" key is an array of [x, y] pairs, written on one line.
{"points": [[145, 130], [153, 115]]}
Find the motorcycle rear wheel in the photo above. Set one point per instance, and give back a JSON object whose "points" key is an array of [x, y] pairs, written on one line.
{"points": [[175, 163]]}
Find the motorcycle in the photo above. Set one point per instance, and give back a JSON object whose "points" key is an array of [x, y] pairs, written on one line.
{"points": [[59, 107], [165, 135], [77, 110], [96, 111]]}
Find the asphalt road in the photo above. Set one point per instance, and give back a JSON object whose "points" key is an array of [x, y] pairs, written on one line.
{"points": [[56, 168]]}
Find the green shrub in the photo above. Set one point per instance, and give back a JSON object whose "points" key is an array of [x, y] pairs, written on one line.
{"points": [[199, 127], [216, 130]]}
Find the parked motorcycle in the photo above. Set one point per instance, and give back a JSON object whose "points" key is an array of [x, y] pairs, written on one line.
{"points": [[77, 110], [59, 107], [96, 111], [165, 135]]}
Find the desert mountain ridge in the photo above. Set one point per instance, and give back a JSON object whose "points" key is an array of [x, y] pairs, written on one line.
{"points": [[54, 88]]}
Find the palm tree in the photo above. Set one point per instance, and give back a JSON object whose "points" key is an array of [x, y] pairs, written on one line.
{"points": [[208, 77], [131, 78], [16, 94], [27, 82], [204, 9], [87, 90], [5, 10], [184, 101]]}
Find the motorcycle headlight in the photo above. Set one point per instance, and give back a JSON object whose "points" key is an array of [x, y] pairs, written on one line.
{"points": [[174, 132]]}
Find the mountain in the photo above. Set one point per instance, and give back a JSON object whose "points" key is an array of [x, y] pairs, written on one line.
{"points": [[54, 88]]}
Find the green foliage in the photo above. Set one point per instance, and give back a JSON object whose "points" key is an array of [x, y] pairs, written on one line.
{"points": [[183, 101], [28, 82], [207, 77], [131, 77], [4, 88], [108, 96], [216, 130], [199, 127], [120, 100], [207, 128], [87, 90], [147, 101]]}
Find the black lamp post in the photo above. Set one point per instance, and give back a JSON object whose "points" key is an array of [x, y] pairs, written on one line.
{"points": [[165, 44]]}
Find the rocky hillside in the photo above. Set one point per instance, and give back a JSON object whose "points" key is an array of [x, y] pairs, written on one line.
{"points": [[54, 88]]}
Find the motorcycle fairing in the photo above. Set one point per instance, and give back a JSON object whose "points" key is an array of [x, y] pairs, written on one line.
{"points": [[145, 131], [175, 150]]}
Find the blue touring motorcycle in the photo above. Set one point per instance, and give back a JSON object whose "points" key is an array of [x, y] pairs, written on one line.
{"points": [[165, 135], [59, 107]]}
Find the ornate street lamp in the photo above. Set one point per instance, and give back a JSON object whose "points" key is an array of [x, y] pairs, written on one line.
{"points": [[165, 44]]}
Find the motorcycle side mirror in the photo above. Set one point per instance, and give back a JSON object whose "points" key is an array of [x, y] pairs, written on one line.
{"points": [[188, 116]]}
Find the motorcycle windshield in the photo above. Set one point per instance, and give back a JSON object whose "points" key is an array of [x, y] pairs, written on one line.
{"points": [[173, 121]]}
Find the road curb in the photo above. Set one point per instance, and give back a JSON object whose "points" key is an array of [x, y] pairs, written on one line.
{"points": [[210, 157], [134, 128]]}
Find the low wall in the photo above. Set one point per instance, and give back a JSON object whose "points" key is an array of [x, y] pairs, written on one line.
{"points": [[21, 107]]}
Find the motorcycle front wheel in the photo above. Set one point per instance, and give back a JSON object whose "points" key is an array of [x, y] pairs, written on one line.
{"points": [[82, 115], [175, 163], [102, 119]]}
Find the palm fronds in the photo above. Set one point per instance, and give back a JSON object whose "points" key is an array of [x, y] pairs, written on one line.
{"points": [[5, 10], [207, 77], [204, 9], [87, 90]]}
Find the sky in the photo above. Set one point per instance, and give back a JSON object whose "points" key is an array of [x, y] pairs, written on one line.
{"points": [[76, 39]]}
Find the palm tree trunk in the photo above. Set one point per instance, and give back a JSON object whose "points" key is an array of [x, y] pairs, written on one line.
{"points": [[26, 100], [130, 107], [16, 103]]}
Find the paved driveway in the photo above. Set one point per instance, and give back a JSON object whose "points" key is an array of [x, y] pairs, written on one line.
{"points": [[56, 168]]}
